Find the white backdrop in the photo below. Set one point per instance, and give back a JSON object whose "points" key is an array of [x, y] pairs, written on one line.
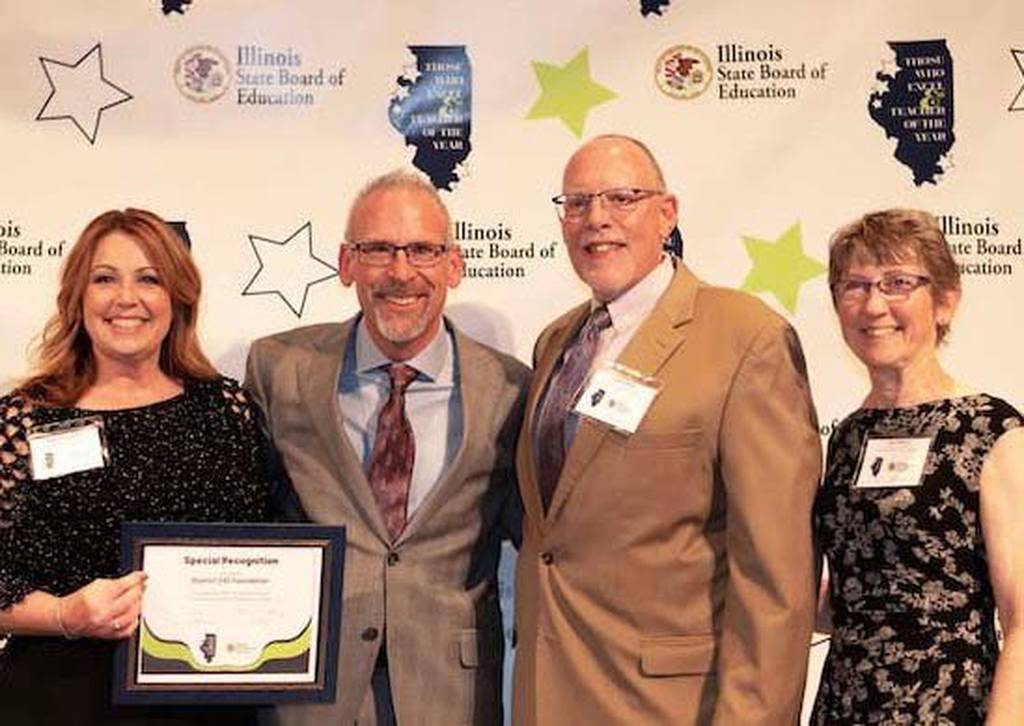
{"points": [[772, 146]]}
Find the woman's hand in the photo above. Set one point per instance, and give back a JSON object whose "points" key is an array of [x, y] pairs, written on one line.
{"points": [[107, 609]]}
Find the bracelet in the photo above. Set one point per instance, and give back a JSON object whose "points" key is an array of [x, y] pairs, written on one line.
{"points": [[59, 617]]}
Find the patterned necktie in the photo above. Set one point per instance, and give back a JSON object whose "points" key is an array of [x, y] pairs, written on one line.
{"points": [[563, 389], [394, 451]]}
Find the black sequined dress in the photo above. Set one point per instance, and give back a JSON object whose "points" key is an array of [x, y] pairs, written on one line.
{"points": [[197, 457]]}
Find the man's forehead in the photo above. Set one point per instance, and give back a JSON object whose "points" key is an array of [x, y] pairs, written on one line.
{"points": [[397, 197], [398, 203], [614, 157]]}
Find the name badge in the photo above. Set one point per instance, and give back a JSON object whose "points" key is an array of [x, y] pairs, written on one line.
{"points": [[67, 447], [617, 396], [893, 462]]}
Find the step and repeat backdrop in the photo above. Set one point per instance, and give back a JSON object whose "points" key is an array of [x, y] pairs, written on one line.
{"points": [[252, 124]]}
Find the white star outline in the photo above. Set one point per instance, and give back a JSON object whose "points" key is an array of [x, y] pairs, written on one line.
{"points": [[1017, 104], [283, 272], [80, 91]]}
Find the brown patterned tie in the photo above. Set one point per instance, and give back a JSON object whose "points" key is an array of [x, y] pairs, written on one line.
{"points": [[394, 451], [563, 389]]}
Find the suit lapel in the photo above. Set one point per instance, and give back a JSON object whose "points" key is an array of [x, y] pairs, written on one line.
{"points": [[656, 340], [319, 384]]}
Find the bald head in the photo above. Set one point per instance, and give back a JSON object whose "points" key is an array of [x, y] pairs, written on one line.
{"points": [[624, 148]]}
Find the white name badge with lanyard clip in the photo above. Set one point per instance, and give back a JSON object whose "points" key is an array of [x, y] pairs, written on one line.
{"points": [[67, 447], [617, 396], [892, 462]]}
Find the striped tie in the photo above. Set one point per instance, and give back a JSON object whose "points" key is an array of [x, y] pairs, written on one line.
{"points": [[562, 392]]}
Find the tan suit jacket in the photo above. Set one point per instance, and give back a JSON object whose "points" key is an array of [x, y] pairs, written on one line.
{"points": [[671, 581], [434, 591]]}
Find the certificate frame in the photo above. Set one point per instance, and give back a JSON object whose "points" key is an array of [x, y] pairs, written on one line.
{"points": [[202, 688]]}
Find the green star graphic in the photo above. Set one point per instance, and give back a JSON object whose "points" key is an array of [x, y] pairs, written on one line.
{"points": [[568, 92], [780, 267]]}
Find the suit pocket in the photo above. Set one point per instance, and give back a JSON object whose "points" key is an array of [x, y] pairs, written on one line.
{"points": [[477, 650], [681, 439], [677, 655]]}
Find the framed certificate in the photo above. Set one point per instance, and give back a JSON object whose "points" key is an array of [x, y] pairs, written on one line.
{"points": [[232, 613]]}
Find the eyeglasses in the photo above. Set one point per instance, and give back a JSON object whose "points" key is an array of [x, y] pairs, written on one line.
{"points": [[617, 201], [381, 254], [894, 286]]}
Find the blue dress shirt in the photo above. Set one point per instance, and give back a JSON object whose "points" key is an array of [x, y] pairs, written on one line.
{"points": [[433, 405]]}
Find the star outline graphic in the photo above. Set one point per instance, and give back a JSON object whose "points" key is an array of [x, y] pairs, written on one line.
{"points": [[308, 228], [98, 49], [1017, 104]]}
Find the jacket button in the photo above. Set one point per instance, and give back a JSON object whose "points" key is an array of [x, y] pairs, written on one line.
{"points": [[392, 559], [547, 558], [370, 634]]}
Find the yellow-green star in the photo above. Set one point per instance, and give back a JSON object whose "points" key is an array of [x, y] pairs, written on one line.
{"points": [[568, 92], [780, 267]]}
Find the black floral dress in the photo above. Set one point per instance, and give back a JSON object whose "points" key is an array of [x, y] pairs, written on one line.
{"points": [[914, 638]]}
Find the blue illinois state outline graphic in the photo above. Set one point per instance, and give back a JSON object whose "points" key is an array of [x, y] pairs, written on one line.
{"points": [[174, 6], [914, 105], [432, 110], [653, 7]]}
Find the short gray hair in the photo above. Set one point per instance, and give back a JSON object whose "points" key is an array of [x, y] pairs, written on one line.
{"points": [[397, 179]]}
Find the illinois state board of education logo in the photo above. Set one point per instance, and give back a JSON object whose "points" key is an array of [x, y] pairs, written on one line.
{"points": [[683, 71], [202, 73]]}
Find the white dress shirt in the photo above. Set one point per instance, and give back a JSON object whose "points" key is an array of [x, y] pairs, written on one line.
{"points": [[629, 310]]}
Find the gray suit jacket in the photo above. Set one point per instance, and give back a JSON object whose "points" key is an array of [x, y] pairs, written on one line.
{"points": [[434, 591]]}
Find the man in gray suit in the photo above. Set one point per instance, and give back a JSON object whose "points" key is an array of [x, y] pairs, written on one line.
{"points": [[403, 430]]}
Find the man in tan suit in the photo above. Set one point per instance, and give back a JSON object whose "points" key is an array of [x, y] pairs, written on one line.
{"points": [[402, 429], [666, 574]]}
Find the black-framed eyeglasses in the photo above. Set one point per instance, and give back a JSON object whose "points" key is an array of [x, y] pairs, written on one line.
{"points": [[376, 253], [894, 286], [620, 201]]}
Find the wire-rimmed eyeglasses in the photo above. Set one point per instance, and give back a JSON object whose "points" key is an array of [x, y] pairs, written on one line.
{"points": [[894, 286], [377, 253], [620, 201]]}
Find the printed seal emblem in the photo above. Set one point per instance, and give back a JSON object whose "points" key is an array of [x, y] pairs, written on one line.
{"points": [[202, 73], [683, 72]]}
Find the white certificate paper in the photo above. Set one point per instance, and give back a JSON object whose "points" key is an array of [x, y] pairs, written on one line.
{"points": [[221, 614]]}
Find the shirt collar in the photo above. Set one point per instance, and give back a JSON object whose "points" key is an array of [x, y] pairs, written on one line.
{"points": [[632, 306], [433, 362]]}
